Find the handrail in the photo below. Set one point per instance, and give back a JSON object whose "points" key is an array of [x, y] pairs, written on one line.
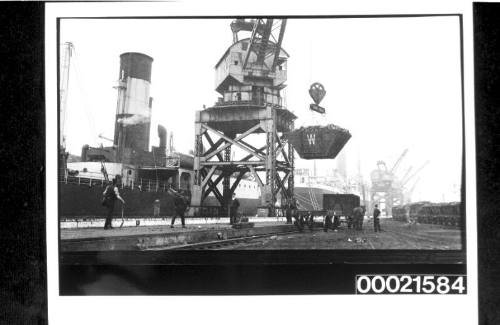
{"points": [[144, 185]]}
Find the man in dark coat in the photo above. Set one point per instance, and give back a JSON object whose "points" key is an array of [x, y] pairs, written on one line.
{"points": [[235, 204], [355, 217], [110, 194], [180, 206], [358, 216], [291, 207], [376, 220]]}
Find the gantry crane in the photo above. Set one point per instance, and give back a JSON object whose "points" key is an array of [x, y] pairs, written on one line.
{"points": [[385, 189], [249, 76]]}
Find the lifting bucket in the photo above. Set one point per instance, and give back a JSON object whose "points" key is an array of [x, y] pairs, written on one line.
{"points": [[319, 142]]}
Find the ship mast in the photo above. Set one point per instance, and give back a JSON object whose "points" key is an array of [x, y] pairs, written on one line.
{"points": [[63, 96], [63, 90]]}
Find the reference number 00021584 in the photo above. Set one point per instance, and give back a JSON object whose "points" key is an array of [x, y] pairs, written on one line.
{"points": [[411, 284]]}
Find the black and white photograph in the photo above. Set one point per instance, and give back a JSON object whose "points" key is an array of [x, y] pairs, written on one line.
{"points": [[253, 161], [193, 142]]}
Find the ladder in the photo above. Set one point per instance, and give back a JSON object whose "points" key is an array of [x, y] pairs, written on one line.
{"points": [[104, 171], [314, 201]]}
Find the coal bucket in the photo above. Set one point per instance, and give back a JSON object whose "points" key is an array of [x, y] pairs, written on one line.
{"points": [[318, 142]]}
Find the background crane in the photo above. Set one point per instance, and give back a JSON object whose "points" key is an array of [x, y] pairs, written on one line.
{"points": [[416, 173], [398, 162], [403, 179]]}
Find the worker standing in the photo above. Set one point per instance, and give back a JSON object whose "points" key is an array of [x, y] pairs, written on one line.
{"points": [[376, 220], [291, 206], [362, 217], [359, 215], [180, 206], [110, 194], [235, 204], [356, 215]]}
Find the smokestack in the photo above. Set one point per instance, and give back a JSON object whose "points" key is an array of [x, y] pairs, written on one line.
{"points": [[85, 149], [162, 134], [133, 112]]}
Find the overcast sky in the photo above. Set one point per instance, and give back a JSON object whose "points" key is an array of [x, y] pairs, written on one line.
{"points": [[393, 82]]}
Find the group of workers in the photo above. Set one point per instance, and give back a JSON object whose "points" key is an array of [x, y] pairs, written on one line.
{"points": [[182, 202], [111, 194], [358, 215], [331, 220]]}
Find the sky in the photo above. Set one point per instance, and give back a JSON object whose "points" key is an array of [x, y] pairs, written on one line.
{"points": [[394, 83]]}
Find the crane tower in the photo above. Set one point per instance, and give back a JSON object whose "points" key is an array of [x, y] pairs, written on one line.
{"points": [[249, 117]]}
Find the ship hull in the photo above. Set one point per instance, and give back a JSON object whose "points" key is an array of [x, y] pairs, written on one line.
{"points": [[84, 200], [76, 201]]}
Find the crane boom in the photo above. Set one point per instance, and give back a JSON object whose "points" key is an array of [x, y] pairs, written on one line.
{"points": [[396, 164], [416, 172], [105, 138], [403, 179], [262, 32], [278, 45], [410, 191]]}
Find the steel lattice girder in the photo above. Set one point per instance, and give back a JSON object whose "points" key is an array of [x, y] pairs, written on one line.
{"points": [[266, 161]]}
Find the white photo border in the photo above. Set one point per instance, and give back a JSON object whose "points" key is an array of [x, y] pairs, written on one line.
{"points": [[248, 309]]}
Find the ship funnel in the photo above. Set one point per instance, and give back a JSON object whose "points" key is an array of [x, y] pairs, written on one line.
{"points": [[133, 114], [85, 149], [162, 134]]}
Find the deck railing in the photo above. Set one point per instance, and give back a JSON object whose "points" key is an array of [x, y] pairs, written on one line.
{"points": [[142, 184]]}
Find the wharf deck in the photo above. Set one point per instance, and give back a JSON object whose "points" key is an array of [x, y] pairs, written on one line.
{"points": [[395, 236], [148, 237], [268, 242]]}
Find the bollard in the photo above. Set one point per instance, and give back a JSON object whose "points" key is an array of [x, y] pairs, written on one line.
{"points": [[156, 208]]}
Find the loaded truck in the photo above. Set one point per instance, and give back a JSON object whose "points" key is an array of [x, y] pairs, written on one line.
{"points": [[339, 207]]}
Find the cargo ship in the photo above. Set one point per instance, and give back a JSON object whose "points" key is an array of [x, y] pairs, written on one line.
{"points": [[310, 188], [144, 176]]}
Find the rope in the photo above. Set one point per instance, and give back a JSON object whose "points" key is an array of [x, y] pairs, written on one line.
{"points": [[88, 112]]}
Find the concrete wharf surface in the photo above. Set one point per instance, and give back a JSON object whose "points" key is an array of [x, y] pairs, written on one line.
{"points": [[154, 237], [395, 236]]}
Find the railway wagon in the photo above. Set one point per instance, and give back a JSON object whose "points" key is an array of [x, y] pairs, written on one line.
{"points": [[447, 214], [340, 206], [401, 213], [408, 212]]}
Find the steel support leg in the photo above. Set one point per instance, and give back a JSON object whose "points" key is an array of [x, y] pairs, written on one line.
{"points": [[270, 164], [226, 186], [291, 181], [196, 195]]}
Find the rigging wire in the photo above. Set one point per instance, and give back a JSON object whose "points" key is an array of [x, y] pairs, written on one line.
{"points": [[85, 102]]}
